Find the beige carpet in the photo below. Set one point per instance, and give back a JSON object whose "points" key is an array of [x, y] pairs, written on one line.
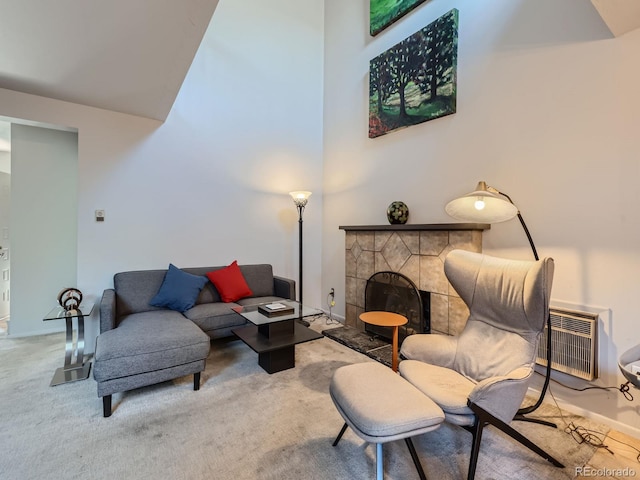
{"points": [[242, 424]]}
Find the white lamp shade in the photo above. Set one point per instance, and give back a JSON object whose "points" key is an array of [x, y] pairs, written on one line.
{"points": [[481, 206], [300, 197]]}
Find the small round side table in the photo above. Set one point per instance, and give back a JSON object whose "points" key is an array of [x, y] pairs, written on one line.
{"points": [[387, 319]]}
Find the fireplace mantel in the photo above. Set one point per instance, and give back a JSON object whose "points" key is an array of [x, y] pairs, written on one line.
{"points": [[419, 227], [417, 251]]}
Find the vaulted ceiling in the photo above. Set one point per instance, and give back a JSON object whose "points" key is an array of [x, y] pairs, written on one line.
{"points": [[131, 56], [128, 56], [621, 16]]}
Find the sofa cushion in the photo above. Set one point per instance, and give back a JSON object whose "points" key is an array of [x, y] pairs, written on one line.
{"points": [[134, 290], [179, 290], [230, 283], [216, 316], [259, 278], [210, 310], [148, 341], [213, 316], [208, 294]]}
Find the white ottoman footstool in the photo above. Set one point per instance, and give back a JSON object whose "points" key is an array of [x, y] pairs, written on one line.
{"points": [[380, 406]]}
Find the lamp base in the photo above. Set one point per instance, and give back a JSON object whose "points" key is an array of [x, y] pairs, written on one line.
{"points": [[522, 418], [520, 415]]}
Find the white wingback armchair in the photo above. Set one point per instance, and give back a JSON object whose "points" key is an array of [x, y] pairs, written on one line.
{"points": [[481, 376]]}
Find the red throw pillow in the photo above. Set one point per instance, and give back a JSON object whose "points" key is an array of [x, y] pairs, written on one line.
{"points": [[230, 283]]}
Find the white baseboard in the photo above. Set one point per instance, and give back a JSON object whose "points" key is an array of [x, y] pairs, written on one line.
{"points": [[37, 332]]}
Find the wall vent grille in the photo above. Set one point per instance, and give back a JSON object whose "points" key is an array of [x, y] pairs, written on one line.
{"points": [[573, 343]]}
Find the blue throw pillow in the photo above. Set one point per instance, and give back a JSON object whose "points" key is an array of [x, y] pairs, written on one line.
{"points": [[179, 290]]}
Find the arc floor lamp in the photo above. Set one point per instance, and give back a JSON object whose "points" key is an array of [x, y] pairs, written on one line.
{"points": [[300, 198], [486, 205]]}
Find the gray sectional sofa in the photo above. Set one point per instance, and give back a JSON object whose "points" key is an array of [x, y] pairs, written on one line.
{"points": [[140, 344]]}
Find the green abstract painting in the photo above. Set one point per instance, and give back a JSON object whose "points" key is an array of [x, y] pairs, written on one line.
{"points": [[415, 80], [383, 13]]}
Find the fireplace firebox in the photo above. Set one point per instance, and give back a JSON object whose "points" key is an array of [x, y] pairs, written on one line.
{"points": [[394, 292]]}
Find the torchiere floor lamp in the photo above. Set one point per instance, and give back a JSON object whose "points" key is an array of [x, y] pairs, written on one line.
{"points": [[485, 205], [300, 198]]}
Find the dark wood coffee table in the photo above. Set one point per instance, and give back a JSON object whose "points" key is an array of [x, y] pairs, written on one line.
{"points": [[274, 338]]}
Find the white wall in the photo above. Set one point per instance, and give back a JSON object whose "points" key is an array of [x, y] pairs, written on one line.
{"points": [[210, 184], [548, 111]]}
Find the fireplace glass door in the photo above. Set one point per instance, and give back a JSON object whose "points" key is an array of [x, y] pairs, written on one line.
{"points": [[395, 292]]}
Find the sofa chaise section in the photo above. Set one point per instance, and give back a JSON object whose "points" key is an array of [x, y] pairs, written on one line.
{"points": [[148, 348]]}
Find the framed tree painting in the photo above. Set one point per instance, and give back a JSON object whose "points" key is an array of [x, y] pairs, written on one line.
{"points": [[415, 80], [383, 13]]}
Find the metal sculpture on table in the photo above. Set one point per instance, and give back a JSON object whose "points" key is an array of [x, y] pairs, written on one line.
{"points": [[70, 298]]}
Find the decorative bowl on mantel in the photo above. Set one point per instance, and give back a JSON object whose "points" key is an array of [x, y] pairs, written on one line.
{"points": [[397, 213]]}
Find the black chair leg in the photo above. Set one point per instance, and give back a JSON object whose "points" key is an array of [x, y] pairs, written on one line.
{"points": [[476, 432], [196, 381], [483, 417], [416, 460], [522, 418], [344, 429], [106, 406]]}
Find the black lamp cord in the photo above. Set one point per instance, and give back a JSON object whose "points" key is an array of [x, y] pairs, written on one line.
{"points": [[624, 388], [330, 304], [591, 437]]}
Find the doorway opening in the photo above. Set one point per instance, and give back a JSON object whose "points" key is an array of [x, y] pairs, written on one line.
{"points": [[5, 208], [38, 222]]}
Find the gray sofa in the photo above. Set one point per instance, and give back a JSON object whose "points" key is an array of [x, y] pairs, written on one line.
{"points": [[141, 345]]}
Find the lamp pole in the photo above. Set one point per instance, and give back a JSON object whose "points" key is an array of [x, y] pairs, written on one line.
{"points": [[520, 415], [300, 210], [300, 199], [524, 225]]}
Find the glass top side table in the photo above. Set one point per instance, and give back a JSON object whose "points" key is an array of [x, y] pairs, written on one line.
{"points": [[74, 367]]}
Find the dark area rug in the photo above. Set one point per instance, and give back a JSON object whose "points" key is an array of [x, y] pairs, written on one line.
{"points": [[366, 343]]}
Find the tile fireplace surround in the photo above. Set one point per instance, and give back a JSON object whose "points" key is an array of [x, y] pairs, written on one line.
{"points": [[417, 251]]}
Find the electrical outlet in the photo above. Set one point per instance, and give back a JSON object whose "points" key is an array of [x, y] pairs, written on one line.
{"points": [[332, 297]]}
